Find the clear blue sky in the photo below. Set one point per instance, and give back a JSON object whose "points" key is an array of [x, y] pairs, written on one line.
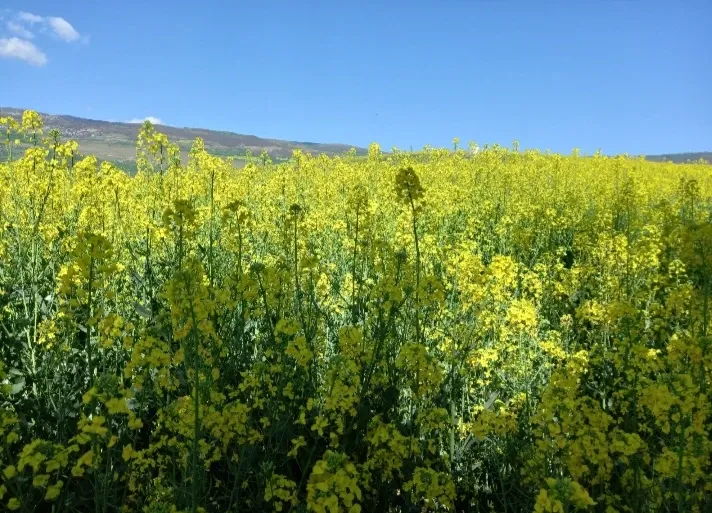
{"points": [[624, 76]]}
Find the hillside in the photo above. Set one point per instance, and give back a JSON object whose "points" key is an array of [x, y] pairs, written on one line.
{"points": [[682, 157], [115, 141]]}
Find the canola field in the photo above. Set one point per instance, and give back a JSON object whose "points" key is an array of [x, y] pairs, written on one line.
{"points": [[452, 330]]}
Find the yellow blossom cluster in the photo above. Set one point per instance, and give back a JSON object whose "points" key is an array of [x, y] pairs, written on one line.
{"points": [[444, 330]]}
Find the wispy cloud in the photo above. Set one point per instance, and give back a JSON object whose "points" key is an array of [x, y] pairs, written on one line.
{"points": [[152, 119], [63, 28], [30, 18], [19, 30], [20, 26], [58, 25], [16, 48]]}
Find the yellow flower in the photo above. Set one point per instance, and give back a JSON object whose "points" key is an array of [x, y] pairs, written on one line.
{"points": [[52, 465], [53, 491], [127, 452], [10, 472], [40, 480], [297, 443], [319, 424], [88, 396], [117, 405]]}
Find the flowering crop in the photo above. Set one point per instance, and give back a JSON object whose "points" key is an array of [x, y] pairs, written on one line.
{"points": [[457, 330]]}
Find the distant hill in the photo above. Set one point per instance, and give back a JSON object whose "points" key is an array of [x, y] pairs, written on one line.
{"points": [[682, 157], [116, 142]]}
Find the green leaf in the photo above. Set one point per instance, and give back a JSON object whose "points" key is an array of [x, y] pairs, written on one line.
{"points": [[142, 310], [16, 388]]}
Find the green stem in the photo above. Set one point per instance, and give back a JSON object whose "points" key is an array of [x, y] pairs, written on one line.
{"points": [[417, 268]]}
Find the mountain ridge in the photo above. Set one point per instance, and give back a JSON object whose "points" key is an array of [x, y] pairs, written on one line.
{"points": [[115, 140]]}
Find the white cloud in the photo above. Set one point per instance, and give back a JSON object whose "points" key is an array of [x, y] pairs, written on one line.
{"points": [[16, 48], [63, 28], [19, 30], [152, 119], [24, 25], [30, 18]]}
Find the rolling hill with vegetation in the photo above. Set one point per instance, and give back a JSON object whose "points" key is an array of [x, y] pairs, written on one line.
{"points": [[115, 141]]}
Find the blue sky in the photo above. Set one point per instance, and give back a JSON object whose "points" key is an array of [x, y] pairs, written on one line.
{"points": [[624, 76]]}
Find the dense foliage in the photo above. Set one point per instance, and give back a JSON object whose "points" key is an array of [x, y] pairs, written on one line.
{"points": [[457, 330]]}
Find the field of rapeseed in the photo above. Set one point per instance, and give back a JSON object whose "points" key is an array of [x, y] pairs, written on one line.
{"points": [[492, 331]]}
